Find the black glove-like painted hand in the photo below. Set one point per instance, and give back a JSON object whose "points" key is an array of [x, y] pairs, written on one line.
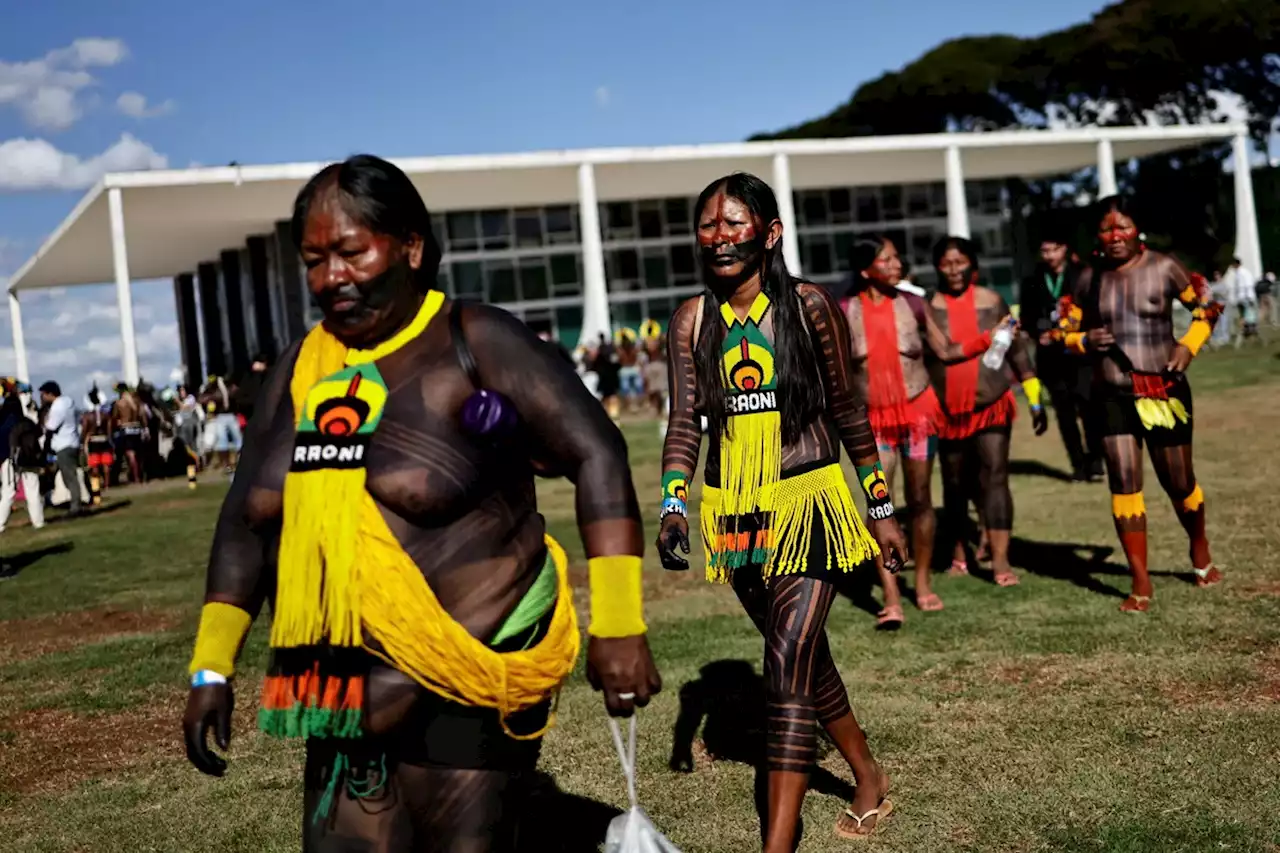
{"points": [[208, 707], [674, 534], [1039, 420]]}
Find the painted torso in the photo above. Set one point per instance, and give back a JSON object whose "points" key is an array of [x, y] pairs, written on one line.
{"points": [[910, 346], [818, 442], [466, 514], [1137, 305], [990, 310]]}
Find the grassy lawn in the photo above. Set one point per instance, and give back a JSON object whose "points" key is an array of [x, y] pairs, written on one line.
{"points": [[1024, 719]]}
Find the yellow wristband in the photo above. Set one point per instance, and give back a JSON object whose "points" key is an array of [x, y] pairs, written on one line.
{"points": [[1031, 388], [222, 629], [616, 598], [1197, 333]]}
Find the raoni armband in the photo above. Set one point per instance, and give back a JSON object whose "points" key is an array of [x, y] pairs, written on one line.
{"points": [[222, 629], [876, 489], [675, 494], [617, 608]]}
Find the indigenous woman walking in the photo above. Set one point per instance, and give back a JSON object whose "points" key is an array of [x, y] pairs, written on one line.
{"points": [[889, 331], [765, 359], [1140, 376], [979, 405], [422, 618]]}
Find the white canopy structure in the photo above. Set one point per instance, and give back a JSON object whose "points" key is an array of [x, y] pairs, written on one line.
{"points": [[159, 224]]}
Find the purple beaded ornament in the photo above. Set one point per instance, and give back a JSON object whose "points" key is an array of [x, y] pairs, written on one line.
{"points": [[488, 414], [485, 414]]}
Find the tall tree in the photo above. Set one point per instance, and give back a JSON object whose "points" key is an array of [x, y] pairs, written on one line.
{"points": [[1134, 61]]}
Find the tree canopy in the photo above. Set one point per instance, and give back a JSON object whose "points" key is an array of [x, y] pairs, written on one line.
{"points": [[1134, 61]]}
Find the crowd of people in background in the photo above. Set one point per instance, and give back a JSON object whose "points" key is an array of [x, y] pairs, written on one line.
{"points": [[1249, 304], [58, 453], [628, 374]]}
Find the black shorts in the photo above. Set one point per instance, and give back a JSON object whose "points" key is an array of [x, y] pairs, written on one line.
{"points": [[129, 439], [1120, 416]]}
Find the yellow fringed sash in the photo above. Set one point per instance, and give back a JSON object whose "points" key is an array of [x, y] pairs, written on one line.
{"points": [[342, 571]]}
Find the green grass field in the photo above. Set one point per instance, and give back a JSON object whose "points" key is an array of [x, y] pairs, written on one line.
{"points": [[1024, 719]]}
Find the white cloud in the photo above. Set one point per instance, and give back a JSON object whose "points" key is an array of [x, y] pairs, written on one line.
{"points": [[52, 107], [90, 52], [46, 90], [603, 96], [134, 105], [35, 164], [76, 354]]}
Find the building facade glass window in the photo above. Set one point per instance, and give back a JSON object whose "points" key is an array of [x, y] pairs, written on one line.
{"points": [[528, 259]]}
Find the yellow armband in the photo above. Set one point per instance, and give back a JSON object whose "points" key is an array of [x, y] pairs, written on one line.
{"points": [[1198, 332], [1031, 388], [222, 629], [1076, 341], [616, 596]]}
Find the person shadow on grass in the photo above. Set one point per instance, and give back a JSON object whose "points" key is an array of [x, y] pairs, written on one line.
{"points": [[727, 702], [556, 821], [1064, 561]]}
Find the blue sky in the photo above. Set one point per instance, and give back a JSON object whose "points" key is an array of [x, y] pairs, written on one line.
{"points": [[88, 85]]}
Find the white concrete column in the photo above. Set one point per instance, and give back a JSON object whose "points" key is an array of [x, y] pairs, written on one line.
{"points": [[595, 289], [19, 340], [1106, 169], [957, 206], [124, 290], [1248, 248], [786, 212]]}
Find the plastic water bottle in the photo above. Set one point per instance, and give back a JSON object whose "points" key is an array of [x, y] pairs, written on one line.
{"points": [[1000, 343]]}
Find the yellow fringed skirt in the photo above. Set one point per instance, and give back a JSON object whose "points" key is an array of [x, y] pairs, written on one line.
{"points": [[782, 543]]}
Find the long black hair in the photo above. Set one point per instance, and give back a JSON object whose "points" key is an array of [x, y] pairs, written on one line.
{"points": [[800, 396], [379, 196], [863, 254], [1125, 205], [963, 245]]}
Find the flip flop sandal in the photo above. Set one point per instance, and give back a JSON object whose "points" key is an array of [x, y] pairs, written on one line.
{"points": [[1006, 578], [889, 619], [929, 603], [1136, 604], [958, 567], [1209, 576], [880, 813]]}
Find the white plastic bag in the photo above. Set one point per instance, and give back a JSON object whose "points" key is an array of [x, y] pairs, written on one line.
{"points": [[632, 832]]}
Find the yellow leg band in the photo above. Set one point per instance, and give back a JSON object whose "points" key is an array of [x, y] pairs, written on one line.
{"points": [[1031, 388], [1197, 333], [1128, 506], [1193, 501], [617, 608], [222, 630]]}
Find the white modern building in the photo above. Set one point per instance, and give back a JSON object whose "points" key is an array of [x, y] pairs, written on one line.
{"points": [[574, 242]]}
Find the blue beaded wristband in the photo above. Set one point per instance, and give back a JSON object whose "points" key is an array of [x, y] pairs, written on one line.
{"points": [[206, 678], [673, 506]]}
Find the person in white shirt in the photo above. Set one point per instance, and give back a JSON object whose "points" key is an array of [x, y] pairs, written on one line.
{"points": [[1243, 285], [63, 428], [1242, 291]]}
